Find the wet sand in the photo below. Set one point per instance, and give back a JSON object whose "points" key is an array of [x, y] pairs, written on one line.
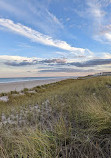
{"points": [[18, 86]]}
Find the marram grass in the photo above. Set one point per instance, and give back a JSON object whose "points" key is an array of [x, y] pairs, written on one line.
{"points": [[67, 119]]}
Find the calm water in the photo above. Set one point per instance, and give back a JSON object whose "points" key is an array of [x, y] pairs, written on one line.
{"points": [[6, 80]]}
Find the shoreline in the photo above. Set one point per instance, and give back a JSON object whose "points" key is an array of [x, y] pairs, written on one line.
{"points": [[18, 86]]}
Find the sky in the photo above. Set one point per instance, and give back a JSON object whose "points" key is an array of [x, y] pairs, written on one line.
{"points": [[40, 38]]}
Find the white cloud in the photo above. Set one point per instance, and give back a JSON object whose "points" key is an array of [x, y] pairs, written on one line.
{"points": [[101, 19], [96, 11], [65, 59], [54, 18], [33, 13], [38, 37], [97, 16], [18, 58], [6, 6], [108, 36], [107, 55], [68, 19], [104, 35]]}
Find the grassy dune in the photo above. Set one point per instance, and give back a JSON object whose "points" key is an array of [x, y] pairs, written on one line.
{"points": [[67, 119]]}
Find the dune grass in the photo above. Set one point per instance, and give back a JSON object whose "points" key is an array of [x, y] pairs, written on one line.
{"points": [[67, 119]]}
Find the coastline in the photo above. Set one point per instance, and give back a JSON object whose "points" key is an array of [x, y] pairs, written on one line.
{"points": [[18, 86]]}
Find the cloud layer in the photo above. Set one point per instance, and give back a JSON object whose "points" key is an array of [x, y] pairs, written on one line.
{"points": [[33, 66], [68, 70], [91, 63], [17, 61]]}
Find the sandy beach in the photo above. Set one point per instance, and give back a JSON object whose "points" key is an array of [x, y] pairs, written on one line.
{"points": [[18, 86]]}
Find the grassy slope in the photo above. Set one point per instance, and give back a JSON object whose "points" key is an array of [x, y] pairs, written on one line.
{"points": [[71, 118]]}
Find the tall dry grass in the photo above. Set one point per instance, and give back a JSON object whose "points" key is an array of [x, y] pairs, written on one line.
{"points": [[67, 119]]}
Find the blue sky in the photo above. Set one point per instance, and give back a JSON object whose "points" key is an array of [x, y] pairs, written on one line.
{"points": [[54, 37]]}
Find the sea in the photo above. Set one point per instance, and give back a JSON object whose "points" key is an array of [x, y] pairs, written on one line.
{"points": [[20, 79]]}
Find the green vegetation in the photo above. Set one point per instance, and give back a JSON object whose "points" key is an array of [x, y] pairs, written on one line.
{"points": [[67, 119]]}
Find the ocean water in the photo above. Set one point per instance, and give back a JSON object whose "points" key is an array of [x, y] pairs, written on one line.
{"points": [[19, 79]]}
